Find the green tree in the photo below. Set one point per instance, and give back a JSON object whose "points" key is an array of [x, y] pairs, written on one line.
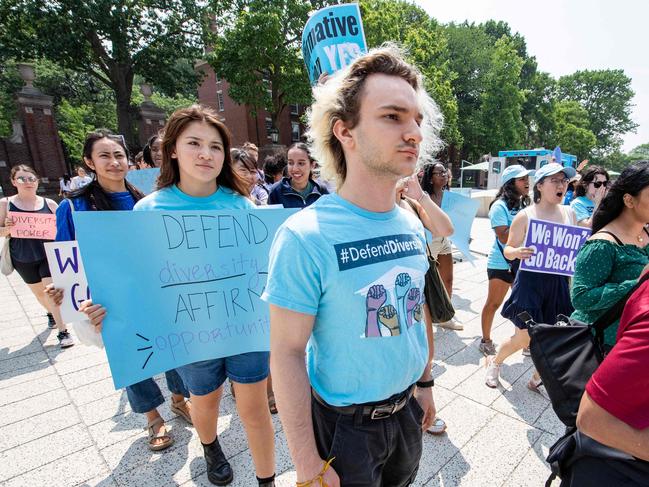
{"points": [[640, 153], [469, 55], [502, 100], [257, 48], [10, 83], [572, 130], [606, 96], [426, 45], [538, 110], [110, 41], [614, 161]]}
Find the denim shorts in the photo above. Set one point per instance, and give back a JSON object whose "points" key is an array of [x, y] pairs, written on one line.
{"points": [[206, 376]]}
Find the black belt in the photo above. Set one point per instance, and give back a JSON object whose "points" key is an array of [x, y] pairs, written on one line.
{"points": [[374, 411]]}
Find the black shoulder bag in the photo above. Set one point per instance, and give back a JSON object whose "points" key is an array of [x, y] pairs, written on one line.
{"points": [[438, 301], [567, 353]]}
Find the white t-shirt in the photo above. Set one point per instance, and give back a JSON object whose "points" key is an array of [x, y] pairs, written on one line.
{"points": [[79, 182]]}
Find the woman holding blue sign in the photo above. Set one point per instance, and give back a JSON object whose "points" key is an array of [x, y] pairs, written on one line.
{"points": [[106, 155], [510, 199], [617, 254], [197, 174], [589, 192], [543, 296]]}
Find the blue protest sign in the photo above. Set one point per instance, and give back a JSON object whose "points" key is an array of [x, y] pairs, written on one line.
{"points": [[144, 179], [332, 38], [461, 210], [556, 247], [188, 289]]}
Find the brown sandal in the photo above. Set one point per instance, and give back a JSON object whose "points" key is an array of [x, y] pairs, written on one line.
{"points": [[160, 435], [180, 409], [271, 404]]}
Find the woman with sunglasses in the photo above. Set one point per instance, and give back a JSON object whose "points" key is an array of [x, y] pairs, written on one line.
{"points": [[542, 296], [589, 192], [617, 253], [434, 182], [28, 255]]}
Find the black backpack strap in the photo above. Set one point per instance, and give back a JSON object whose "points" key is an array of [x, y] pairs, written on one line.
{"points": [[617, 240]]}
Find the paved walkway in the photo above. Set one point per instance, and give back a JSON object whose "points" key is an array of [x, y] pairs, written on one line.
{"points": [[63, 424]]}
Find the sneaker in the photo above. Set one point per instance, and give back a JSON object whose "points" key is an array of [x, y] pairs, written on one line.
{"points": [[526, 352], [451, 324], [438, 427], [65, 340], [493, 373], [51, 324], [487, 347]]}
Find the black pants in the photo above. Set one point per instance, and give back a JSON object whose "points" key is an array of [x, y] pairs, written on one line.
{"points": [[591, 472], [370, 453]]}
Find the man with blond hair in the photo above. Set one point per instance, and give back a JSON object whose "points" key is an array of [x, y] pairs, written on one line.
{"points": [[346, 282]]}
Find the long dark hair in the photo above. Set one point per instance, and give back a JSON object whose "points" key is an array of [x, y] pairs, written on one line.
{"points": [[96, 195], [304, 148], [427, 179], [176, 125], [632, 180], [509, 194], [146, 151], [587, 177], [274, 165]]}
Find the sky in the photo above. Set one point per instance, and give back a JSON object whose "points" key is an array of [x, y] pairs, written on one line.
{"points": [[570, 35]]}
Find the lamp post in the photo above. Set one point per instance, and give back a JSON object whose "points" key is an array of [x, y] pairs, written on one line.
{"points": [[274, 136]]}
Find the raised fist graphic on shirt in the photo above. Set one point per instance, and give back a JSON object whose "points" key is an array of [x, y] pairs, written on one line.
{"points": [[388, 318], [401, 288], [376, 297], [417, 312], [412, 300]]}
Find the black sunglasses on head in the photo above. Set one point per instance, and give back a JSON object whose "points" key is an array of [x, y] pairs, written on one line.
{"points": [[598, 184]]}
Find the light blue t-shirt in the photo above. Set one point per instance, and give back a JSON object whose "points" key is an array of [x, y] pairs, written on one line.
{"points": [[500, 216], [172, 198], [583, 208], [361, 274]]}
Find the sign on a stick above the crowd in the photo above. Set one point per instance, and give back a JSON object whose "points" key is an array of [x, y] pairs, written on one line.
{"points": [[332, 38]]}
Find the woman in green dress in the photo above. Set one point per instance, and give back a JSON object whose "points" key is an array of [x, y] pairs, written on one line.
{"points": [[617, 253]]}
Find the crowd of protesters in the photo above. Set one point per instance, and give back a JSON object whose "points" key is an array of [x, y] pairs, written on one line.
{"points": [[359, 178]]}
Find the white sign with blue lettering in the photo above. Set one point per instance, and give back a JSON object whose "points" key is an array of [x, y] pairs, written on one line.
{"points": [[64, 261]]}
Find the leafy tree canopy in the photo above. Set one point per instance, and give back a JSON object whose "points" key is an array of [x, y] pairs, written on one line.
{"points": [[110, 41], [606, 96]]}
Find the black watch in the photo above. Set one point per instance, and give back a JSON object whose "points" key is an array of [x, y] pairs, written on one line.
{"points": [[425, 383]]}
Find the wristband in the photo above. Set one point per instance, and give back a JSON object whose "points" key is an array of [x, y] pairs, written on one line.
{"points": [[423, 384]]}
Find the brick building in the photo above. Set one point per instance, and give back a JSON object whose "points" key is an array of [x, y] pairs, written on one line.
{"points": [[35, 140], [213, 92]]}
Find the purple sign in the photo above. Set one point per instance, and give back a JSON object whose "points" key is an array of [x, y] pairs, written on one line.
{"points": [[556, 247]]}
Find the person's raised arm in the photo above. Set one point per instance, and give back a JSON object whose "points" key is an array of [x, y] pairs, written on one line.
{"points": [[513, 249], [290, 332], [431, 215]]}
